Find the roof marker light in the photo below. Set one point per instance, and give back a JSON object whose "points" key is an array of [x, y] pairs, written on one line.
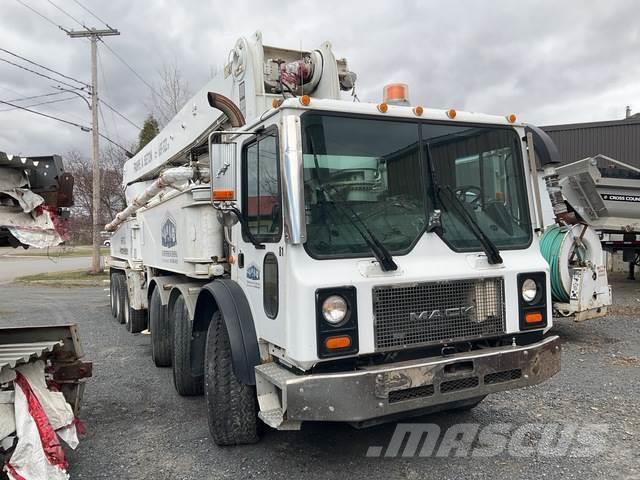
{"points": [[451, 113], [418, 111], [511, 118], [383, 107], [305, 100]]}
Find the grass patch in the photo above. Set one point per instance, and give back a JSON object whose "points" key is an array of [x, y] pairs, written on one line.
{"points": [[70, 278], [61, 251]]}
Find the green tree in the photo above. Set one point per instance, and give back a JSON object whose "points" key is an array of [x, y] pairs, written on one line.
{"points": [[149, 130]]}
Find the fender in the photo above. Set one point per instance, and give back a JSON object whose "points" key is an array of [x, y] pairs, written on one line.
{"points": [[190, 292], [233, 304], [165, 285]]}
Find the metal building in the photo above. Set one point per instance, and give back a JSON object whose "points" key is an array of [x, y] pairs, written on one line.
{"points": [[619, 139]]}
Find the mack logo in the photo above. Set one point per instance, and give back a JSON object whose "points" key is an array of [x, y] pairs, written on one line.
{"points": [[455, 312]]}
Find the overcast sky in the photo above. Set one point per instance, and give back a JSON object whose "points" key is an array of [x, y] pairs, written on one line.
{"points": [[549, 61]]}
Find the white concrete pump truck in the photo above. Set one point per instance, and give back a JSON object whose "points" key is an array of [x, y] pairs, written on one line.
{"points": [[301, 257]]}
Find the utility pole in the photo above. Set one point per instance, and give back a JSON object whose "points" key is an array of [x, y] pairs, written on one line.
{"points": [[94, 35]]}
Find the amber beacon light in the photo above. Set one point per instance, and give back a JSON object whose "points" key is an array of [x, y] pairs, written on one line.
{"points": [[396, 94]]}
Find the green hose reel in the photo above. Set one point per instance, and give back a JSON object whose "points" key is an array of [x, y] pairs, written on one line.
{"points": [[551, 245]]}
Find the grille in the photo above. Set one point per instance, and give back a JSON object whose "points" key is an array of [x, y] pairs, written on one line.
{"points": [[461, 384], [410, 393], [436, 312], [500, 377]]}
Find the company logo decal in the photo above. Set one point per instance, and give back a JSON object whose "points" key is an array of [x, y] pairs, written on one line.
{"points": [[253, 272], [169, 239], [169, 236], [253, 275]]}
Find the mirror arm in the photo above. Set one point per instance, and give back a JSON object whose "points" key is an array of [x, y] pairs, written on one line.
{"points": [[245, 227]]}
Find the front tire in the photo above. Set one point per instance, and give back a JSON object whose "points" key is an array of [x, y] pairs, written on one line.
{"points": [[232, 408], [186, 383]]}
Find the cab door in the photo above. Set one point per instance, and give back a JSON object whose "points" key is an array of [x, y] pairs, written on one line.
{"points": [[260, 262]]}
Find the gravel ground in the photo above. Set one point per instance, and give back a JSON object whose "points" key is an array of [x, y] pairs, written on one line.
{"points": [[139, 428]]}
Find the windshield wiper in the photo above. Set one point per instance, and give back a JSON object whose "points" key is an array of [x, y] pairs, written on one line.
{"points": [[490, 249], [493, 254], [376, 246]]}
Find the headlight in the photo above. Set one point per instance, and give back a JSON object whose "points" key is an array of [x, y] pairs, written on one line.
{"points": [[334, 309], [529, 290]]}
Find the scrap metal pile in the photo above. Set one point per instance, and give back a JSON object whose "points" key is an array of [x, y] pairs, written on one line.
{"points": [[34, 192], [41, 386]]}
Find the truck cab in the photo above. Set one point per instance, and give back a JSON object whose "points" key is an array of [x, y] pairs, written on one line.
{"points": [[358, 250]]}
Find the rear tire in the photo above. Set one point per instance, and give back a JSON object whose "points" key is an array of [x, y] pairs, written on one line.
{"points": [[122, 297], [137, 320], [112, 295], [186, 383], [232, 408], [160, 331]]}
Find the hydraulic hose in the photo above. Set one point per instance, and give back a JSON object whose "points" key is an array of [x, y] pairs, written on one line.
{"points": [[550, 245]]}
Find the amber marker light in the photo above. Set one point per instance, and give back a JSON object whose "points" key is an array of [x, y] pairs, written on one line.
{"points": [[276, 102], [305, 100], [511, 118], [451, 113], [383, 107], [418, 111], [337, 342], [531, 318], [222, 195]]}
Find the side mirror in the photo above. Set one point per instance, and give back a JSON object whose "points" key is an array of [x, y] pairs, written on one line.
{"points": [[222, 161]]}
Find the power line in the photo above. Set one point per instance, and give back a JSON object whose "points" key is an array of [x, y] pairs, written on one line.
{"points": [[110, 107], [81, 127], [118, 113], [42, 16], [135, 73], [126, 151], [40, 74], [21, 99], [92, 14], [68, 14], [43, 67], [40, 103], [104, 82]]}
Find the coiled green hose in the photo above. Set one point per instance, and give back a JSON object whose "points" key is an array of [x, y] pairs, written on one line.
{"points": [[550, 245]]}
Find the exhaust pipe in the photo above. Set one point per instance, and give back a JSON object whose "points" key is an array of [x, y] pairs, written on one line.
{"points": [[226, 106]]}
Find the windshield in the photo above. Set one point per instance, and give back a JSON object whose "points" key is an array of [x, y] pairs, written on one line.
{"points": [[378, 170], [483, 167]]}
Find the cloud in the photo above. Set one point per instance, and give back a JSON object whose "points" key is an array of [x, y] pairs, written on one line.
{"points": [[550, 62]]}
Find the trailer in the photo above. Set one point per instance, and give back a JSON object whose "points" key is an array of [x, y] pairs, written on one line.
{"points": [[299, 256]]}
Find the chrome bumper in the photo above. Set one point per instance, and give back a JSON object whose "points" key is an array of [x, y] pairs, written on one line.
{"points": [[391, 389]]}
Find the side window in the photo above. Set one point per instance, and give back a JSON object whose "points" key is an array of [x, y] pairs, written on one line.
{"points": [[270, 280], [261, 192]]}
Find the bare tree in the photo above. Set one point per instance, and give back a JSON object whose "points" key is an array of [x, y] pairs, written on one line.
{"points": [[112, 196], [171, 93]]}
